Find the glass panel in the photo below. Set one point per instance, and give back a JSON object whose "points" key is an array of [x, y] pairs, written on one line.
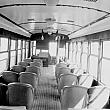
{"points": [[78, 58], [19, 44], [26, 53], [27, 45], [93, 65], [44, 50], [3, 65], [13, 57], [74, 58], [74, 47], [52, 48], [84, 61], [37, 51], [85, 47], [19, 55], [3, 55], [13, 44], [23, 55], [34, 50], [106, 48], [67, 50], [79, 46], [105, 74], [3, 61], [94, 48], [3, 44], [34, 43], [61, 52], [23, 44]]}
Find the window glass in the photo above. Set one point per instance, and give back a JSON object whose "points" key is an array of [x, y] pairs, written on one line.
{"points": [[67, 50], [79, 46], [106, 48], [23, 44], [44, 50], [74, 57], [13, 42], [105, 73], [34, 50], [78, 58], [85, 47], [3, 65], [74, 46], [94, 48], [93, 65], [52, 48], [3, 44], [84, 61], [19, 55], [19, 44], [26, 53], [27, 45], [13, 58], [23, 55], [3, 61], [37, 51], [34, 43]]}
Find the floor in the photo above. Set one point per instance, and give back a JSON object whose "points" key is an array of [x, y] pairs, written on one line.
{"points": [[46, 95]]}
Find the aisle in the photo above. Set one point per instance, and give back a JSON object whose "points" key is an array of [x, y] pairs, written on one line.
{"points": [[47, 97]]}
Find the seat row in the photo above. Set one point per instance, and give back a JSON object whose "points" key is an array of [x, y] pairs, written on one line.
{"points": [[76, 91], [16, 94], [20, 83]]}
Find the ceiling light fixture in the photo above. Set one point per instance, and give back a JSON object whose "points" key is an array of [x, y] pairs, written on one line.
{"points": [[51, 2]]}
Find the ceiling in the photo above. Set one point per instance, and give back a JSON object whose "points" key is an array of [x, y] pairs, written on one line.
{"points": [[69, 17]]}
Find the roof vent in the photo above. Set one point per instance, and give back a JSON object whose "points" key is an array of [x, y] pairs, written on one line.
{"points": [[50, 19], [91, 0]]}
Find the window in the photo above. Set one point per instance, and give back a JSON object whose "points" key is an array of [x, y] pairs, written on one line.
{"points": [[93, 65], [3, 44], [106, 48], [44, 50], [19, 55], [37, 51], [94, 48], [67, 50], [13, 44], [52, 48], [3, 61], [13, 58], [19, 44], [84, 61], [78, 58], [105, 73], [85, 47], [79, 46]]}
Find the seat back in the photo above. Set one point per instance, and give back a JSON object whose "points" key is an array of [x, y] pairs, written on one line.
{"points": [[37, 60], [20, 94], [29, 78], [18, 68], [3, 89], [98, 97], [23, 63], [28, 60], [38, 64], [67, 80], [74, 97], [85, 80], [10, 76], [33, 69]]}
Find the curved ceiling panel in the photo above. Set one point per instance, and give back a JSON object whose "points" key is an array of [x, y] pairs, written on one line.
{"points": [[68, 16]]}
